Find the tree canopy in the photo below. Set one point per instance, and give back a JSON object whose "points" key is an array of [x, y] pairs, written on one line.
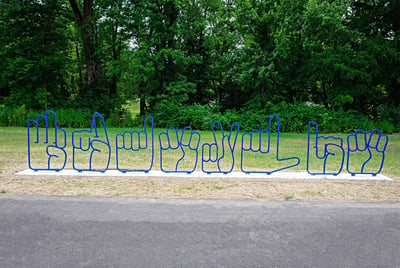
{"points": [[231, 54]]}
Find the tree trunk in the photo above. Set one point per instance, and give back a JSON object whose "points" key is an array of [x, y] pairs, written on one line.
{"points": [[116, 50], [324, 95], [79, 64], [142, 105], [86, 28]]}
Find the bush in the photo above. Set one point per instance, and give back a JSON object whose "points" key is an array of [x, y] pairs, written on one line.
{"points": [[120, 118], [13, 116], [73, 118], [174, 115], [294, 117], [388, 119]]}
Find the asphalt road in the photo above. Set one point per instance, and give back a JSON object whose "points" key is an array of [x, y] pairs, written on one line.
{"points": [[114, 232]]}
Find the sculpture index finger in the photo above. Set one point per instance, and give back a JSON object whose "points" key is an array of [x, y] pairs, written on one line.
{"points": [[51, 121], [194, 140], [35, 135], [59, 143], [164, 141], [45, 121], [148, 131], [382, 143], [99, 131], [377, 140], [310, 123], [351, 142], [233, 133], [274, 145], [173, 138], [218, 128]]}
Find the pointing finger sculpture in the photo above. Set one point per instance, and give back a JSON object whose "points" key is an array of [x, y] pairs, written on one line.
{"points": [[91, 146]]}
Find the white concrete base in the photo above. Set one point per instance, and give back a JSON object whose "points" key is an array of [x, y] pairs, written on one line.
{"points": [[296, 175]]}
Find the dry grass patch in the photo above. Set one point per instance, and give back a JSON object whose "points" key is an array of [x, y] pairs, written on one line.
{"points": [[204, 188]]}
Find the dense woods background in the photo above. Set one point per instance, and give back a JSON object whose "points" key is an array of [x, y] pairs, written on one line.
{"points": [[189, 62]]}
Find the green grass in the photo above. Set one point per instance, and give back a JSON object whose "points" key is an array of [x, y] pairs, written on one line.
{"points": [[13, 148], [288, 197]]}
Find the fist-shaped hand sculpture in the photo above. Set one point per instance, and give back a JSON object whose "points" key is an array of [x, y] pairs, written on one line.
{"points": [[371, 147], [179, 150]]}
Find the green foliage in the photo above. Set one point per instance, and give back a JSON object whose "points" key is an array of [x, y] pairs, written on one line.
{"points": [[14, 116], [65, 117], [32, 58], [193, 62], [73, 118], [120, 118], [388, 119], [171, 114], [294, 118], [288, 197]]}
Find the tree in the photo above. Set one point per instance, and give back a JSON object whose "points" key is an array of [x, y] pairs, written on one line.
{"points": [[379, 26], [33, 59], [158, 61], [195, 42], [288, 55], [230, 54], [102, 27], [257, 73], [225, 56], [84, 21]]}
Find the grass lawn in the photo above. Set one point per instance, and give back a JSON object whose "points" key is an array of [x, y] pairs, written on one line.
{"points": [[13, 142]]}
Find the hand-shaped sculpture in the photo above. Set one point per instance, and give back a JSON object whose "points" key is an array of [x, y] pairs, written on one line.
{"points": [[49, 142], [136, 148], [327, 149], [371, 145], [180, 145], [91, 146], [253, 144], [218, 157]]}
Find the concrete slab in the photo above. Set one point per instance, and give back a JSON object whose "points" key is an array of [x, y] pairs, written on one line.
{"points": [[293, 175]]}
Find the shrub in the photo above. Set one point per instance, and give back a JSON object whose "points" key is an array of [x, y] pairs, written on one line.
{"points": [[174, 115], [294, 117], [120, 118], [13, 116], [74, 118]]}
